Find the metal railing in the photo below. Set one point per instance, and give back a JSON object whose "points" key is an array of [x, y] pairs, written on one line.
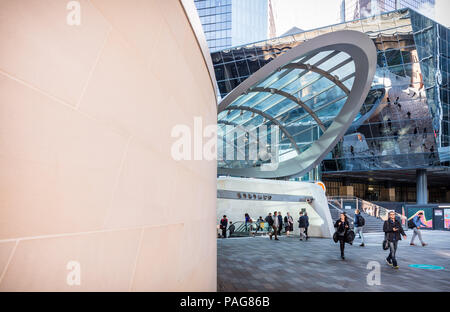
{"points": [[369, 208], [248, 229]]}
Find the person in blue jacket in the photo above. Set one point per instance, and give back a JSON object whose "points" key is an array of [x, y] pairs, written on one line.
{"points": [[416, 232], [358, 227]]}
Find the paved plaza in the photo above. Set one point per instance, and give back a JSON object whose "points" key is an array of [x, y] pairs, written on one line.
{"points": [[261, 264]]}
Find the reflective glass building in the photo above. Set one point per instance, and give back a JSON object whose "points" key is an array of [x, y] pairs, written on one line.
{"points": [[229, 23], [403, 125], [356, 9]]}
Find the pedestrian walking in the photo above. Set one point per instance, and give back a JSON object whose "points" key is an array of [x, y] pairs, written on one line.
{"points": [[302, 225], [342, 228], [231, 229], [432, 152], [393, 229], [259, 224], [307, 225], [288, 223], [415, 225], [275, 224], [223, 226], [247, 221], [269, 220], [280, 222], [359, 225]]}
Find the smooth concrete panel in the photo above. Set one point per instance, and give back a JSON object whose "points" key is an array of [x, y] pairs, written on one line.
{"points": [[39, 47], [58, 167], [106, 262], [160, 248], [320, 221], [133, 96], [142, 197]]}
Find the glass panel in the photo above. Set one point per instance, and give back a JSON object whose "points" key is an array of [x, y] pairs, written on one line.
{"points": [[393, 57]]}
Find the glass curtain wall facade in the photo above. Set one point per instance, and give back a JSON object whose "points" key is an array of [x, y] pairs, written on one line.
{"points": [[357, 9], [405, 118], [215, 16], [229, 23]]}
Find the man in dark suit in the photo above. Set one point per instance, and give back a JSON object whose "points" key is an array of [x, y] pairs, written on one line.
{"points": [[302, 225], [306, 225], [223, 226], [280, 222]]}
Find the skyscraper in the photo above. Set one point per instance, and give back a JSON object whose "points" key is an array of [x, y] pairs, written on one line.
{"points": [[229, 23], [356, 9]]}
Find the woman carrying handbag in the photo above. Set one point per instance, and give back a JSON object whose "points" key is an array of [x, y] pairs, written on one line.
{"points": [[342, 233]]}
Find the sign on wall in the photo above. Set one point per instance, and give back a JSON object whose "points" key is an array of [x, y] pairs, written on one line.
{"points": [[447, 219]]}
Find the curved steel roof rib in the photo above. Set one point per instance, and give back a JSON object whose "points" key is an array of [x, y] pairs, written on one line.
{"points": [[339, 117], [321, 72], [267, 116], [292, 98]]}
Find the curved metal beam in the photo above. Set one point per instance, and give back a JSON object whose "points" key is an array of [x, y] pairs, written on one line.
{"points": [[321, 72], [267, 116], [292, 98]]}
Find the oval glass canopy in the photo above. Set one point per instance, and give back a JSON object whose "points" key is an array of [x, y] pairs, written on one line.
{"points": [[282, 112]]}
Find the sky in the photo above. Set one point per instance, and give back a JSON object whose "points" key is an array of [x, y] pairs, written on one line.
{"points": [[305, 14], [310, 14]]}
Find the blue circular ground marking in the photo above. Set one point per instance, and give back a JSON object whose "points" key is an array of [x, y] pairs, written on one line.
{"points": [[427, 266]]}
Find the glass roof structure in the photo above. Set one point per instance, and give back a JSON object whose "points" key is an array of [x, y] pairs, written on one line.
{"points": [[289, 104]]}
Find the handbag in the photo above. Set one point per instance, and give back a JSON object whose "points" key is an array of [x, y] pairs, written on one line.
{"points": [[385, 243], [350, 237], [335, 237]]}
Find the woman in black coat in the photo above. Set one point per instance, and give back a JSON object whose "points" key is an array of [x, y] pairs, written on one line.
{"points": [[392, 229], [342, 227]]}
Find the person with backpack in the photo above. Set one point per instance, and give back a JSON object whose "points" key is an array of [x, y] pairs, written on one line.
{"points": [[223, 226], [342, 228], [393, 229], [414, 224], [259, 224], [270, 220], [358, 225]]}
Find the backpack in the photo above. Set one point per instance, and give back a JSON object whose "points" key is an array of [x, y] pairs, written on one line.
{"points": [[411, 224], [361, 221]]}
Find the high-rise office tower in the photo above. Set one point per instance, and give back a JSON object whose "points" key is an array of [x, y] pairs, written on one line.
{"points": [[229, 23], [356, 9]]}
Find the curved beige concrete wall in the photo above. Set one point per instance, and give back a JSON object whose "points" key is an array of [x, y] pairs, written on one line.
{"points": [[88, 187]]}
